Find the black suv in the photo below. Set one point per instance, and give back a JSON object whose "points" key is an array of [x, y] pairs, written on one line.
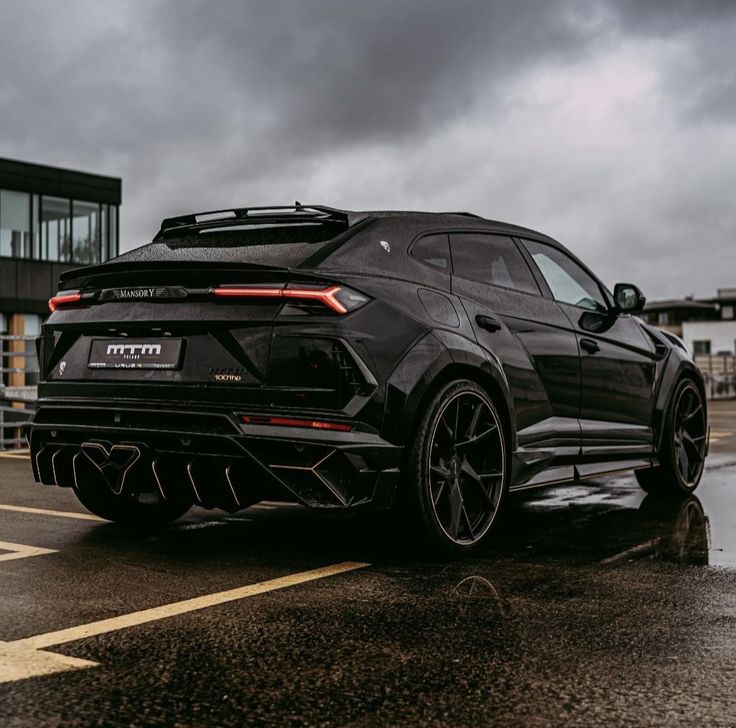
{"points": [[354, 359]]}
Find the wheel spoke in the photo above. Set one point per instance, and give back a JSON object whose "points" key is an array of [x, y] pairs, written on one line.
{"points": [[683, 462], [473, 440], [690, 442], [467, 469], [456, 510], [468, 523], [436, 496], [692, 414], [440, 470], [473, 426], [447, 430]]}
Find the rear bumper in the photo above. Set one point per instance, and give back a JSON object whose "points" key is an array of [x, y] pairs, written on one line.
{"points": [[209, 456]]}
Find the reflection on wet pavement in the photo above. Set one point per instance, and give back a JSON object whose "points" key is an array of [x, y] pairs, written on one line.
{"points": [[614, 522]]}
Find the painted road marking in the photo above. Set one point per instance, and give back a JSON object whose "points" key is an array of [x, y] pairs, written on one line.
{"points": [[19, 663], [14, 456], [55, 514], [27, 657], [19, 551]]}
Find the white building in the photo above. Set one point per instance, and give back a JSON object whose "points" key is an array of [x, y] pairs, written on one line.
{"points": [[717, 336], [710, 337]]}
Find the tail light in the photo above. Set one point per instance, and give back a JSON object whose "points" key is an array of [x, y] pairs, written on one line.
{"points": [[64, 298], [339, 299], [296, 422]]}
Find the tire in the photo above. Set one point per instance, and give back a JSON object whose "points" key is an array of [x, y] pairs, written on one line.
{"points": [[143, 512], [456, 473], [682, 453]]}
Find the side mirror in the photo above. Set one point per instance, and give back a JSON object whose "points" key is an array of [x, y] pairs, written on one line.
{"points": [[628, 298]]}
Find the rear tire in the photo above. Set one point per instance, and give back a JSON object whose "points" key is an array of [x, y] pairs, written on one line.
{"points": [[147, 511], [682, 453], [456, 475]]}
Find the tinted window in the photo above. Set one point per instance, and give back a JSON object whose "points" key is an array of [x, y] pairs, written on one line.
{"points": [[491, 259], [433, 250], [568, 282]]}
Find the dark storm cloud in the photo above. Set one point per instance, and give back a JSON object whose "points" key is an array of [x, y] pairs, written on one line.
{"points": [[336, 71], [568, 115]]}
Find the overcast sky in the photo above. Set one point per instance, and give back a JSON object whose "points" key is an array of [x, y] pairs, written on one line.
{"points": [[609, 125]]}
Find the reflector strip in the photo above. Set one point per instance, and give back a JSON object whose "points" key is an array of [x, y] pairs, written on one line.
{"points": [[64, 299], [328, 296], [296, 422]]}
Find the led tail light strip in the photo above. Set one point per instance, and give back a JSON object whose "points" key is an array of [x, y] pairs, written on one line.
{"points": [[296, 422]]}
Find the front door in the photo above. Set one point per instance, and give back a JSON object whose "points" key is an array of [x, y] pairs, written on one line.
{"points": [[617, 359]]}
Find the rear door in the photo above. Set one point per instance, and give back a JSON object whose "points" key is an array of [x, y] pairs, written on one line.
{"points": [[617, 360], [531, 338]]}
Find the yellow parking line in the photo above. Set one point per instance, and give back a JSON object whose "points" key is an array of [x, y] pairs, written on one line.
{"points": [[25, 657], [20, 551], [55, 514], [14, 456]]}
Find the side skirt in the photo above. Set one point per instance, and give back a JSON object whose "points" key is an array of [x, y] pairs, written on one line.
{"points": [[579, 472]]}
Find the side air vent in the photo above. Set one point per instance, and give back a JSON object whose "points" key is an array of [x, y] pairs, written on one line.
{"points": [[660, 347], [349, 377]]}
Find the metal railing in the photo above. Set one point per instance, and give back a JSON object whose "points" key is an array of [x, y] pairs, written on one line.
{"points": [[719, 371], [16, 400]]}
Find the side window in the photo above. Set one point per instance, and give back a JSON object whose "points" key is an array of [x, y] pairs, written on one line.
{"points": [[491, 259], [434, 251], [568, 282]]}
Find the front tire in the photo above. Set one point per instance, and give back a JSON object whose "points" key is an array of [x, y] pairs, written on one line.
{"points": [[682, 454], [456, 477]]}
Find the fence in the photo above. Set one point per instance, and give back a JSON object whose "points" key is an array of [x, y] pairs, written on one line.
{"points": [[18, 364], [719, 371]]}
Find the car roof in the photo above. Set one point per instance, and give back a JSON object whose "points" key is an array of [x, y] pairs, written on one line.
{"points": [[449, 221]]}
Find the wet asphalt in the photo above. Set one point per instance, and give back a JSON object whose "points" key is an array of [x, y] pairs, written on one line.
{"points": [[595, 605]]}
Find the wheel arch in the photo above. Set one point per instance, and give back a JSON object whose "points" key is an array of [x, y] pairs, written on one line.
{"points": [[685, 370], [432, 362], [485, 379]]}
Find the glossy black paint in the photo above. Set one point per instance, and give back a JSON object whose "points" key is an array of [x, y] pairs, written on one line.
{"points": [[580, 391]]}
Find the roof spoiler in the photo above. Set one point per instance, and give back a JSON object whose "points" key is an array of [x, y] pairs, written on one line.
{"points": [[291, 214]]}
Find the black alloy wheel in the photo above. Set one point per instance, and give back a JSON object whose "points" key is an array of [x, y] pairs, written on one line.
{"points": [[459, 467], [683, 451]]}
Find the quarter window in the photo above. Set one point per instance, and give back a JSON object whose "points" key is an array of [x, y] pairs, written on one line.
{"points": [[491, 259], [568, 282], [434, 251]]}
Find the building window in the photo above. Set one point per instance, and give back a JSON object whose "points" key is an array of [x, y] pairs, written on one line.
{"points": [[701, 346], [15, 224], [57, 229], [727, 312], [113, 240], [85, 232], [664, 318], [56, 242]]}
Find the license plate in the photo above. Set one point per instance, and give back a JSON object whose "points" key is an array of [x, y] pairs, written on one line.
{"points": [[135, 354]]}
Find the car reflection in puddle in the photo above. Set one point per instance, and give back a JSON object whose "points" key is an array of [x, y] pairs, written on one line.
{"points": [[576, 523]]}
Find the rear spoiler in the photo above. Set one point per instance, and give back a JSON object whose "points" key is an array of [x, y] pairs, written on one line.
{"points": [[281, 215]]}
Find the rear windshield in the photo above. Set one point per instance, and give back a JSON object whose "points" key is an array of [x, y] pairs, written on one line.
{"points": [[285, 246]]}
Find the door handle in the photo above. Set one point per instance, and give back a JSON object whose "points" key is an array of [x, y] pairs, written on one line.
{"points": [[487, 322], [590, 346]]}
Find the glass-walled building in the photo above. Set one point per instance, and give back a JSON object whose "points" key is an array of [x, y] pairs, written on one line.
{"points": [[79, 227], [51, 220]]}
